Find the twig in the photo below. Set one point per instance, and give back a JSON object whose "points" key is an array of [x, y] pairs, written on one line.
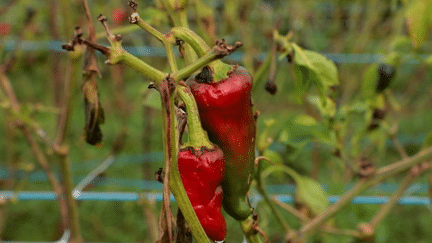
{"points": [[396, 142], [149, 210], [219, 51], [262, 233], [323, 228], [415, 172], [347, 232], [40, 157], [292, 210], [362, 185], [167, 114], [167, 40], [261, 189], [248, 227]]}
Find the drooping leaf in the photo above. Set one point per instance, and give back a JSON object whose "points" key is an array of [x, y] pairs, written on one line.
{"points": [[94, 114]]}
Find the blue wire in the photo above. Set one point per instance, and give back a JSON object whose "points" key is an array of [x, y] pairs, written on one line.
{"points": [[54, 45], [131, 196]]}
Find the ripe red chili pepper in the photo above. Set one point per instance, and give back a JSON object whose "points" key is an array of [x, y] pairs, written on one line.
{"points": [[201, 165], [202, 173], [225, 109]]}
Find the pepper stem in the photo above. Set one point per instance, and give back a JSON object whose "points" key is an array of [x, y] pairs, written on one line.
{"points": [[220, 70], [197, 135]]}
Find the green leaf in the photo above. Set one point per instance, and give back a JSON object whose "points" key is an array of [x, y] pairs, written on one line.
{"points": [[302, 78], [273, 156], [327, 109], [285, 137], [311, 66], [358, 106], [309, 192], [305, 120], [368, 85], [401, 44], [309, 125], [379, 138], [264, 140], [419, 21], [323, 67], [152, 99], [380, 101]]}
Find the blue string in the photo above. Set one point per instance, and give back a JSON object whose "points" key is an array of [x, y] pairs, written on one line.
{"points": [[130, 196], [54, 45]]}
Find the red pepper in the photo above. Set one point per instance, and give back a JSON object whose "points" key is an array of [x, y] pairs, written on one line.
{"points": [[225, 109], [202, 173], [202, 165]]}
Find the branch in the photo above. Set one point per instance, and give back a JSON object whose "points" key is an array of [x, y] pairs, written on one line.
{"points": [[171, 148], [261, 190], [37, 151], [170, 144], [219, 51], [362, 185], [415, 172]]}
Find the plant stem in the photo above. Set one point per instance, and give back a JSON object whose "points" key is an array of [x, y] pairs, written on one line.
{"points": [[179, 18], [199, 45], [248, 230], [385, 209], [63, 152], [200, 63], [68, 91], [72, 207], [261, 190], [167, 40], [259, 75], [197, 136], [119, 30], [37, 151], [144, 25], [142, 67], [43, 162], [219, 68], [362, 185], [172, 148], [117, 54], [323, 228]]}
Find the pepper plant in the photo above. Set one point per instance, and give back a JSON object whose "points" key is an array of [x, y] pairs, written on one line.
{"points": [[223, 157], [218, 101]]}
